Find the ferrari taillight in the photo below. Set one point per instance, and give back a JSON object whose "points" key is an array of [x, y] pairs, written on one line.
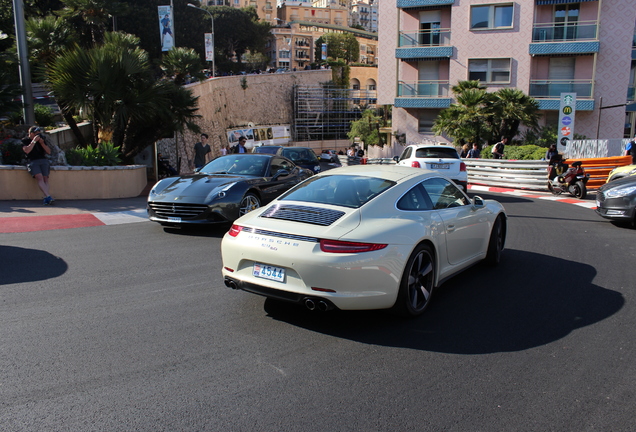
{"points": [[235, 230], [416, 164], [336, 246]]}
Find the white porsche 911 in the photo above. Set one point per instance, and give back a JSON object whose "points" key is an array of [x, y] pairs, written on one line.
{"points": [[363, 237]]}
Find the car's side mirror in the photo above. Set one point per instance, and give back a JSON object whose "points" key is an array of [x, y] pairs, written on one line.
{"points": [[478, 202], [280, 173], [396, 158], [196, 170]]}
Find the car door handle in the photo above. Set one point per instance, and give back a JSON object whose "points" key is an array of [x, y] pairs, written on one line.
{"points": [[450, 228]]}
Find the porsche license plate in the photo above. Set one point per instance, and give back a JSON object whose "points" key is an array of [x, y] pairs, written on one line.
{"points": [[269, 272], [174, 219], [440, 166]]}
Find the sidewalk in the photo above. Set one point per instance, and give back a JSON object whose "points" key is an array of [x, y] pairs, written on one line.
{"points": [[25, 216]]}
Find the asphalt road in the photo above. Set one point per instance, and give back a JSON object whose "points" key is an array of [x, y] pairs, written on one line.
{"points": [[129, 327]]}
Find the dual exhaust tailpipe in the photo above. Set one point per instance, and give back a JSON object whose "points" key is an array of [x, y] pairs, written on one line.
{"points": [[311, 303], [317, 304]]}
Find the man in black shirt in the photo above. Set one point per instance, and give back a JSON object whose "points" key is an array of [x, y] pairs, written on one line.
{"points": [[36, 150]]}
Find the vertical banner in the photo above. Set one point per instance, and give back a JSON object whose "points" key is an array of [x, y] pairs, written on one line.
{"points": [[165, 27], [209, 46], [567, 110], [324, 51]]}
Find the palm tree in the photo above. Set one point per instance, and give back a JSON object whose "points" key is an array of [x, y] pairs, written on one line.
{"points": [[467, 118], [511, 108], [114, 84], [89, 18], [178, 63]]}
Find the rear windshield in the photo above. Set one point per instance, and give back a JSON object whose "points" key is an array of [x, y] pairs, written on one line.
{"points": [[342, 190], [440, 152], [300, 155], [266, 149]]}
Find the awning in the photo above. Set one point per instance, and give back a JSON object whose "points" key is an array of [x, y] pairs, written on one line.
{"points": [[553, 2]]}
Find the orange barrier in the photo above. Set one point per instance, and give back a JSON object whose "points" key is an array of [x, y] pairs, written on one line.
{"points": [[599, 168]]}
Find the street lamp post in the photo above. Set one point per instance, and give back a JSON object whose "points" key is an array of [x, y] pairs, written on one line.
{"points": [[212, 22]]}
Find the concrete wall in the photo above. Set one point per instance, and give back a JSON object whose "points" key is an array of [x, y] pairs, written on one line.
{"points": [[75, 182], [236, 101]]}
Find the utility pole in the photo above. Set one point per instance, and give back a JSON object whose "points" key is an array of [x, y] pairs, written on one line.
{"points": [[23, 57]]}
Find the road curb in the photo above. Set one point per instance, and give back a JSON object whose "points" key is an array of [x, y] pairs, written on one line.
{"points": [[536, 195]]}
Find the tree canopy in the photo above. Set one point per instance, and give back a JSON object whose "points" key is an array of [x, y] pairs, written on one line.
{"points": [[479, 116], [342, 46]]}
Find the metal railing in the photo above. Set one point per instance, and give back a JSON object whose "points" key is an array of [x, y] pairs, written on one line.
{"points": [[426, 38], [423, 89], [554, 88], [561, 32]]}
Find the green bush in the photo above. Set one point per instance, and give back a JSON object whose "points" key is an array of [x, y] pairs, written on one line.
{"points": [[105, 154], [43, 115], [524, 152]]}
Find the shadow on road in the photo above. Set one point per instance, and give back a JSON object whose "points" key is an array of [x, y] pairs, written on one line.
{"points": [[528, 301], [19, 265]]}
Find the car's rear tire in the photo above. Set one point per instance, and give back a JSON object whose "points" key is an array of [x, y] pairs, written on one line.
{"points": [[249, 202], [496, 243], [417, 284]]}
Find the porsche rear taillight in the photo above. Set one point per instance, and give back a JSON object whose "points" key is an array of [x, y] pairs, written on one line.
{"points": [[235, 230], [416, 164], [336, 246]]}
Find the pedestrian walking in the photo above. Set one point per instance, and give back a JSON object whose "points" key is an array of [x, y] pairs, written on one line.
{"points": [[630, 150], [201, 149], [474, 153], [498, 149]]}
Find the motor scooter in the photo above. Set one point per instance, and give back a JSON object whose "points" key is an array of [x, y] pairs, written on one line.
{"points": [[572, 180]]}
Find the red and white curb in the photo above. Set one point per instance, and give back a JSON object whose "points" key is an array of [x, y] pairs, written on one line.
{"points": [[65, 221], [535, 195]]}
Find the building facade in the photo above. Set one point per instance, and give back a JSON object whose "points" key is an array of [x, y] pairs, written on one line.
{"points": [[542, 47], [364, 13], [293, 43]]}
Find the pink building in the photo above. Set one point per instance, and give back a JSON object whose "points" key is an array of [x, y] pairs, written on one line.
{"points": [[542, 47]]}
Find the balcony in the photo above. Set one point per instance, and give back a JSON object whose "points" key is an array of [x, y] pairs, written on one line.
{"points": [[405, 4], [557, 38], [548, 93], [424, 44], [423, 94]]}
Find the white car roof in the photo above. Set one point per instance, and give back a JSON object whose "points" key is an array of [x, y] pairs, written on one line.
{"points": [[394, 173], [432, 146]]}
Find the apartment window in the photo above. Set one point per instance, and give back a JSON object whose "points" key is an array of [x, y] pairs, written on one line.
{"points": [[491, 16], [426, 120], [489, 70]]}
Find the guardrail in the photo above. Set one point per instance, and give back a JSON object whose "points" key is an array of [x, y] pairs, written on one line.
{"points": [[519, 174]]}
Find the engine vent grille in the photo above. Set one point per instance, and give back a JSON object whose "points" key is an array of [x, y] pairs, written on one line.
{"points": [[310, 215]]}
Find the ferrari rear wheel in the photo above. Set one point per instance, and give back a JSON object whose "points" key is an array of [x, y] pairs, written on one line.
{"points": [[418, 282], [248, 203]]}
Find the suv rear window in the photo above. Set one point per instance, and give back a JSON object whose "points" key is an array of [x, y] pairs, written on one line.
{"points": [[439, 152]]}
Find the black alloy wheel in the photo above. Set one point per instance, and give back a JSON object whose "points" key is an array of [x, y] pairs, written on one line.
{"points": [[418, 282]]}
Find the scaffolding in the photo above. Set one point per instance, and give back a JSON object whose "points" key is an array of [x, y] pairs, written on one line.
{"points": [[326, 112]]}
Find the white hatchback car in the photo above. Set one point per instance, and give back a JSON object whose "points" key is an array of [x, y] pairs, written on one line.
{"points": [[441, 158], [363, 237]]}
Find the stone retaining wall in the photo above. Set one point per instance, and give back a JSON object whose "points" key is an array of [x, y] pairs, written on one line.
{"points": [[74, 182]]}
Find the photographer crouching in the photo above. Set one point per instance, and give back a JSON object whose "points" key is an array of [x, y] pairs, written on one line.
{"points": [[36, 150]]}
